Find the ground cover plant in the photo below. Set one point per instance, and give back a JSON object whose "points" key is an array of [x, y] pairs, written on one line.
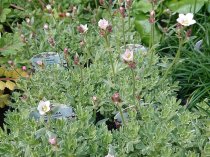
{"points": [[92, 78]]}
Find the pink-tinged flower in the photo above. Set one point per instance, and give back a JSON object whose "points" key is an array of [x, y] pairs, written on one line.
{"points": [[43, 107], [127, 56], [82, 28], [186, 20], [48, 7], [53, 141], [24, 68], [39, 63], [103, 24]]}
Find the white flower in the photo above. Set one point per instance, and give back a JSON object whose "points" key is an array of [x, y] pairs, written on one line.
{"points": [[46, 26], [103, 24], [186, 20], [48, 7], [127, 56], [67, 14], [84, 28], [43, 107]]}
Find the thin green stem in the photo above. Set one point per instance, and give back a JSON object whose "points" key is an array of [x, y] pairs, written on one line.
{"points": [[174, 61], [152, 35], [94, 114], [151, 53], [152, 29], [110, 14], [123, 27], [110, 58], [96, 4], [121, 114], [81, 74], [134, 86], [110, 55], [195, 4], [129, 19]]}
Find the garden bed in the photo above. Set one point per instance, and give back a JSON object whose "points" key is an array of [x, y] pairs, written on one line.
{"points": [[104, 78]]}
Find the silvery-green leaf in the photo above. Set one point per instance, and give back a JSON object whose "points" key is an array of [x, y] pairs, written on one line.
{"points": [[198, 45], [40, 132], [35, 115], [50, 134], [111, 150], [102, 121], [119, 118]]}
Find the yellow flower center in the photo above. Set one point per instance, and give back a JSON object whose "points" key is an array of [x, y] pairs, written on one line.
{"points": [[128, 55], [45, 108], [185, 22]]}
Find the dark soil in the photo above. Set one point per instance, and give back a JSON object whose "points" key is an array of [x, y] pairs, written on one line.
{"points": [[2, 116]]}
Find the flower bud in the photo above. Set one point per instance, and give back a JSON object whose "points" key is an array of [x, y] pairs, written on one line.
{"points": [[65, 51], [24, 68], [40, 63], [101, 2], [46, 26], [94, 98], [189, 33], [82, 28], [74, 10], [68, 14], [51, 41], [82, 43], [53, 141], [23, 38], [128, 4], [28, 20], [122, 11], [109, 28], [10, 62], [116, 98], [132, 65], [152, 17], [76, 60]]}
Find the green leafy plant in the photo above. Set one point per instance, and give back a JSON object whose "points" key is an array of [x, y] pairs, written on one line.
{"points": [[123, 105]]}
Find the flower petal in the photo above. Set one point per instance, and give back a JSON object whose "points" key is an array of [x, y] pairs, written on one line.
{"points": [[189, 16]]}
